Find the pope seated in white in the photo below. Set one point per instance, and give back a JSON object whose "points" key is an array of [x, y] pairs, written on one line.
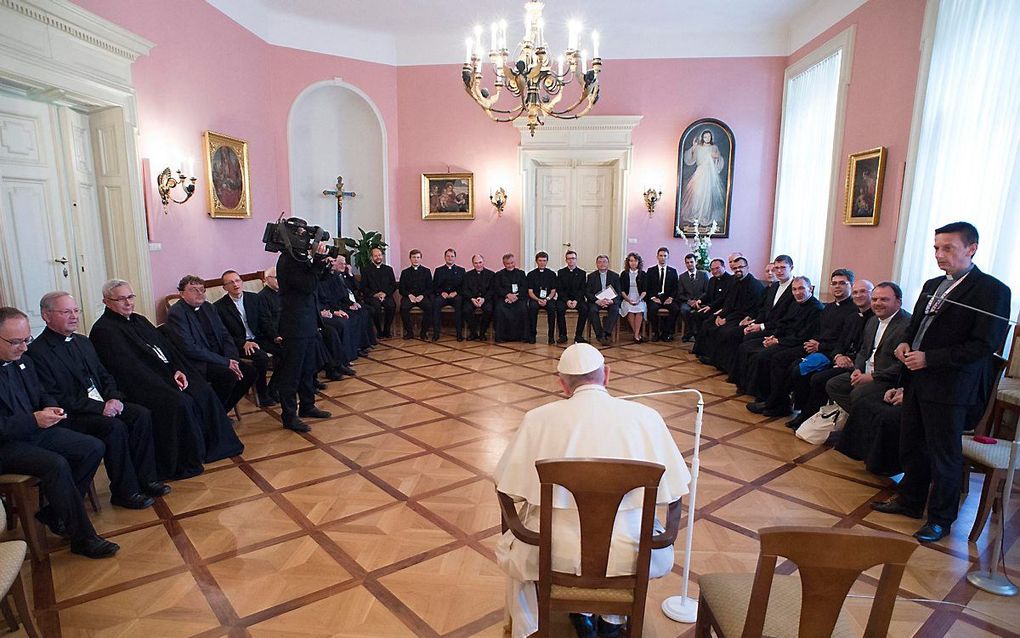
{"points": [[589, 423]]}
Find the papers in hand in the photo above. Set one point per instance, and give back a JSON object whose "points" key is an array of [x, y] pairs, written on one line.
{"points": [[608, 294]]}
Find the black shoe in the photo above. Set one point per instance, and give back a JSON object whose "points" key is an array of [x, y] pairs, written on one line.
{"points": [[703, 359], [408, 335], [296, 425], [425, 337], [314, 413], [580, 340], [562, 339], [156, 488], [348, 370], [54, 524], [893, 506], [552, 341], [319, 385], [472, 337], [94, 547], [584, 626], [364, 352], [609, 630], [334, 375], [655, 337], [267, 402], [668, 338], [460, 337], [434, 337], [136, 501], [931, 532], [757, 407], [686, 339], [795, 423]]}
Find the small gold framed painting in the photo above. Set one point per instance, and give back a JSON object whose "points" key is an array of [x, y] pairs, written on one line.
{"points": [[447, 196], [226, 163], [865, 174]]}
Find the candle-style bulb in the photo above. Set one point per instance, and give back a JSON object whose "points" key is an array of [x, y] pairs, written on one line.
{"points": [[469, 45], [595, 44]]}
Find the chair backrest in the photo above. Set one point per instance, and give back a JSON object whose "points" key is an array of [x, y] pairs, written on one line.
{"points": [[1013, 367], [598, 486], [829, 561], [995, 368]]}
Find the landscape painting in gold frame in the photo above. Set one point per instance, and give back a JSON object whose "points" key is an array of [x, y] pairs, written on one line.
{"points": [[865, 175], [226, 171], [447, 196]]}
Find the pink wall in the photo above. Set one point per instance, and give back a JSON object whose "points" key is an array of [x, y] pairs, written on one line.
{"points": [[447, 131], [879, 106]]}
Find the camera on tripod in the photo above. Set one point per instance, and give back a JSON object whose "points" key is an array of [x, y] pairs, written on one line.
{"points": [[296, 238]]}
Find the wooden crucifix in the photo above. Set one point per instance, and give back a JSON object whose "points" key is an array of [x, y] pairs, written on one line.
{"points": [[339, 193]]}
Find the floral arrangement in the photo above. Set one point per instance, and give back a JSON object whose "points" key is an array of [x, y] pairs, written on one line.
{"points": [[700, 243]]}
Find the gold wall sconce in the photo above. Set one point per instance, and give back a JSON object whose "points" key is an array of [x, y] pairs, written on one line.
{"points": [[166, 182], [498, 199], [652, 197]]}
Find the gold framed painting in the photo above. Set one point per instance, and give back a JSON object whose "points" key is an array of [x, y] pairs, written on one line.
{"points": [[226, 172], [447, 196], [865, 175]]}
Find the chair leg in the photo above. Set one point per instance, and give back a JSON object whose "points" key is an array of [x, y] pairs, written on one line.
{"points": [[989, 490], [27, 500], [9, 617], [21, 602], [703, 628], [93, 498], [237, 414]]}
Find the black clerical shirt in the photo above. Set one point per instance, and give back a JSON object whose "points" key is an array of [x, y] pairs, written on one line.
{"points": [[542, 282], [415, 280]]}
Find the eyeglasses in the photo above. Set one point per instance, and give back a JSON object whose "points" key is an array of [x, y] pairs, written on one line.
{"points": [[68, 312], [122, 298], [198, 289], [19, 342], [839, 283]]}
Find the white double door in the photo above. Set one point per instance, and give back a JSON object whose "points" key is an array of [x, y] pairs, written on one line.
{"points": [[50, 218], [573, 212]]}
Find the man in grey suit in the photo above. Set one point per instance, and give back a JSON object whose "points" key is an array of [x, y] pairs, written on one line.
{"points": [[876, 368], [692, 283], [597, 282]]}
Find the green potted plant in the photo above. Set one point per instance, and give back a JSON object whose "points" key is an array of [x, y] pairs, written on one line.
{"points": [[360, 250]]}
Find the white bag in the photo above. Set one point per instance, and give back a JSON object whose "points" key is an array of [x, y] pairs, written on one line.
{"points": [[829, 418]]}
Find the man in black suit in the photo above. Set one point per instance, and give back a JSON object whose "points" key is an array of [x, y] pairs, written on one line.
{"points": [[946, 351], [240, 312], [477, 297], [570, 281], [204, 340], [876, 368], [510, 312], [71, 373], [598, 282], [743, 298], [663, 288], [415, 292], [693, 283], [63, 460], [711, 299], [542, 296], [446, 288], [378, 283]]}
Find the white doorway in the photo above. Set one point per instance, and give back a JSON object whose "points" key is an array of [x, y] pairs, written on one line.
{"points": [[573, 211]]}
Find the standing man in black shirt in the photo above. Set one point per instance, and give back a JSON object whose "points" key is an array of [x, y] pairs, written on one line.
{"points": [[541, 296], [477, 294], [570, 296], [415, 291], [446, 285], [378, 283]]}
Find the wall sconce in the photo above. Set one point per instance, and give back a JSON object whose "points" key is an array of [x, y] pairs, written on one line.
{"points": [[498, 199], [166, 182], [652, 197]]}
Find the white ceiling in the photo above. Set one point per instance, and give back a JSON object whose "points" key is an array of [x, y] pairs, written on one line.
{"points": [[413, 32]]}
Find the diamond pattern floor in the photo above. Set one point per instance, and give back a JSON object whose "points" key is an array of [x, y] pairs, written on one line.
{"points": [[382, 521]]}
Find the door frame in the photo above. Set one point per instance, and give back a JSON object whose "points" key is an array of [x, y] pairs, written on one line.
{"points": [[603, 139], [57, 52]]}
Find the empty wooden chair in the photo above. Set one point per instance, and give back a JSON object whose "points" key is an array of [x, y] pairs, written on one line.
{"points": [[22, 493], [12, 557], [808, 604]]}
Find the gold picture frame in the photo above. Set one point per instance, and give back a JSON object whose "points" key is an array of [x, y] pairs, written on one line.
{"points": [[226, 172], [447, 196], [865, 176]]}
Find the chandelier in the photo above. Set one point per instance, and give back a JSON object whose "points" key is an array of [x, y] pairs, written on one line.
{"points": [[530, 76]]}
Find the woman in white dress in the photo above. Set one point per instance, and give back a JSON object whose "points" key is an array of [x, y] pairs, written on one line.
{"points": [[703, 198], [633, 290]]}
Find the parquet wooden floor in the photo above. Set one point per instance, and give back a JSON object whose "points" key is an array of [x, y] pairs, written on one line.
{"points": [[382, 521]]}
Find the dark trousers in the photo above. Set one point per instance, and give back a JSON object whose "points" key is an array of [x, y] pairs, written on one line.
{"points": [[437, 314], [382, 314], [757, 371], [688, 314], [296, 374], [809, 391], [931, 453], [780, 377], [130, 457], [561, 318], [405, 315], [332, 343], [259, 359], [477, 323], [534, 308], [846, 395], [603, 328], [64, 461], [708, 332], [661, 326], [727, 342], [229, 389], [349, 333]]}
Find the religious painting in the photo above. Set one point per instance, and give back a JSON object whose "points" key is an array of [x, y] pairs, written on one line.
{"points": [[704, 182], [226, 161], [447, 196], [865, 174]]}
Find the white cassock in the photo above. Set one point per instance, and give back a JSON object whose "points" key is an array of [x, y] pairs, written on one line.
{"points": [[588, 424]]}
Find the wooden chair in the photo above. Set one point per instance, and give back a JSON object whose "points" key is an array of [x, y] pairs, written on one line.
{"points": [[808, 605], [12, 557], [616, 329], [598, 485], [21, 492], [992, 460]]}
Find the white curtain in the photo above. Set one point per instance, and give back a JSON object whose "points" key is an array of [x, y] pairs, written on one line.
{"points": [[805, 165], [967, 166]]}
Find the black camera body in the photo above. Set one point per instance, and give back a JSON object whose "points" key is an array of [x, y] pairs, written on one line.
{"points": [[296, 238]]}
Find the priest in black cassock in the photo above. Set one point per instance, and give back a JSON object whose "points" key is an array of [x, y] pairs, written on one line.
{"points": [[542, 298], [509, 288], [477, 299], [570, 282], [415, 292], [378, 283], [190, 425], [339, 309], [70, 371], [446, 285]]}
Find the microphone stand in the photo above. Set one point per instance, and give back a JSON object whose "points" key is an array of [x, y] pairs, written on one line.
{"points": [[682, 608]]}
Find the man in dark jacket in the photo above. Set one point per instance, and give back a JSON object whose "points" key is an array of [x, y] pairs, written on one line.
{"points": [[692, 284], [704, 306], [570, 282], [743, 298], [542, 297], [378, 284], [240, 311], [415, 292], [598, 292], [476, 293], [663, 287], [758, 324], [447, 281]]}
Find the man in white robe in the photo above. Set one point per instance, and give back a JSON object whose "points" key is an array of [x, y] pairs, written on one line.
{"points": [[589, 423]]}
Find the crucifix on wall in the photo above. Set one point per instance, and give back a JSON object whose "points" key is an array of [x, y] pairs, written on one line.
{"points": [[339, 193]]}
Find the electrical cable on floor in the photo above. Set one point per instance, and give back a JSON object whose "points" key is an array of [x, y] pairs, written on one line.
{"points": [[936, 602]]}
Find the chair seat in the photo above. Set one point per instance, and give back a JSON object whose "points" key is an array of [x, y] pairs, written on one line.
{"points": [[559, 592], [12, 557], [994, 456], [1009, 391], [728, 595], [11, 479]]}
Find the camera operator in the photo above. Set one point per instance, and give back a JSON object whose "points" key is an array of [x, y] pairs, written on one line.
{"points": [[298, 279]]}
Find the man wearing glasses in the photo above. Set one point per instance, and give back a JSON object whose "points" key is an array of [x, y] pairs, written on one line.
{"points": [[63, 460]]}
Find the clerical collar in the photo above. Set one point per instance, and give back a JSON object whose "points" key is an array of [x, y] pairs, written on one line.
{"points": [[541, 270], [961, 274], [414, 268], [195, 308], [589, 386]]}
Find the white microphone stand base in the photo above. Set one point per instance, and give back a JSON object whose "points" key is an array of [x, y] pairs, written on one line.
{"points": [[681, 609], [982, 579]]}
